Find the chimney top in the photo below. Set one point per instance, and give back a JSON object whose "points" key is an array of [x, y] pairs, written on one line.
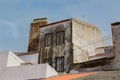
{"points": [[115, 23], [39, 19]]}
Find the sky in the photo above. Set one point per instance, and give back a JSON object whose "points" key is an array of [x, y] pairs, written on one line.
{"points": [[16, 15]]}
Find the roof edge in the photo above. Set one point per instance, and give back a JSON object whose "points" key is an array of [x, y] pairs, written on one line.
{"points": [[25, 53], [56, 22], [115, 23]]}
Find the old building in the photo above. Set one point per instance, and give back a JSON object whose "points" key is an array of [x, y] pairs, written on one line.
{"points": [[65, 43]]}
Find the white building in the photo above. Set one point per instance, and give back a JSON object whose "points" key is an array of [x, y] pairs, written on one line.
{"points": [[11, 68]]}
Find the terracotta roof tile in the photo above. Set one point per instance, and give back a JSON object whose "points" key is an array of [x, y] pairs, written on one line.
{"points": [[70, 76]]}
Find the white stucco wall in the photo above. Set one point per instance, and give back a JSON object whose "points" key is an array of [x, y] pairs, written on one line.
{"points": [[13, 60], [3, 60], [25, 72], [8, 59], [28, 72], [33, 58], [85, 38]]}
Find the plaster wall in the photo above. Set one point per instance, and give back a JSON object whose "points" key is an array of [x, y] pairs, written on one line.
{"points": [[3, 58], [13, 60], [33, 58], [28, 72], [85, 38], [25, 72], [3, 61]]}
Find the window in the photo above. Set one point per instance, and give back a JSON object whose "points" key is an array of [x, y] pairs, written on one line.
{"points": [[48, 60], [48, 39], [60, 64], [60, 37]]}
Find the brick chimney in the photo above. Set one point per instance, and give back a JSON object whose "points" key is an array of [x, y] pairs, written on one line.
{"points": [[34, 32]]}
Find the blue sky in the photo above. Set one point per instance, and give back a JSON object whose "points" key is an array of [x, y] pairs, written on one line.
{"points": [[16, 15]]}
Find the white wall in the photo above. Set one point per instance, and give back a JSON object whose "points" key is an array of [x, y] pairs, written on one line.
{"points": [[13, 71], [85, 38], [28, 72], [33, 58], [13, 60], [3, 61]]}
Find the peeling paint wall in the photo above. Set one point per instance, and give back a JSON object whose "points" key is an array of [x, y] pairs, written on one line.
{"points": [[54, 50], [85, 39]]}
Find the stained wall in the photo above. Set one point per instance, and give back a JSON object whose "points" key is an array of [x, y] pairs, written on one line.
{"points": [[55, 50]]}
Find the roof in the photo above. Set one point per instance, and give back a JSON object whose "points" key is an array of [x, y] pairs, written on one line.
{"points": [[70, 76], [56, 22], [97, 62], [25, 53], [103, 75], [97, 56], [104, 47]]}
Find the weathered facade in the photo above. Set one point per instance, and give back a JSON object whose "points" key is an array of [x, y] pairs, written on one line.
{"points": [[52, 50], [66, 42]]}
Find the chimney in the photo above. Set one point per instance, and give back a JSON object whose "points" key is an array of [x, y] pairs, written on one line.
{"points": [[39, 22], [34, 32]]}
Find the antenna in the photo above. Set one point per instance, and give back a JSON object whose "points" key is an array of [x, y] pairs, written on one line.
{"points": [[83, 17]]}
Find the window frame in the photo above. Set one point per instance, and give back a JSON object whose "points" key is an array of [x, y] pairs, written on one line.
{"points": [[46, 43], [60, 67], [58, 40]]}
